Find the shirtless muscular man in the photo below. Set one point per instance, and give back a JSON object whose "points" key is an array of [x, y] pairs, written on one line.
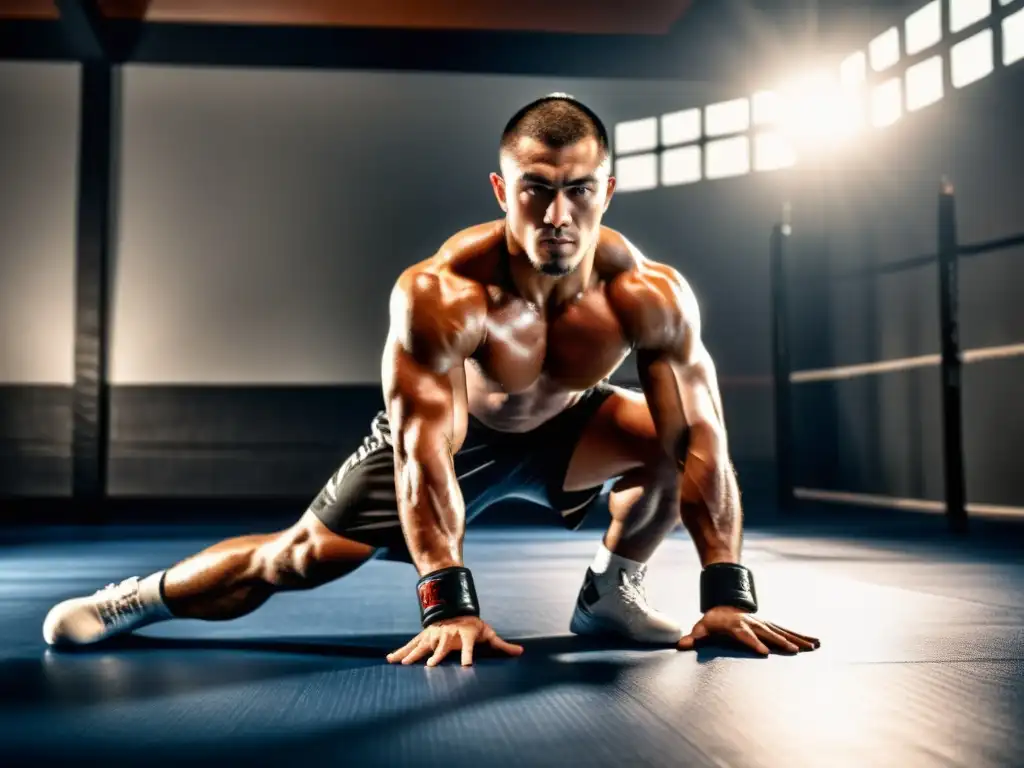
{"points": [[495, 383]]}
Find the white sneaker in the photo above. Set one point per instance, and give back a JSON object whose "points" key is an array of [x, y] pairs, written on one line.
{"points": [[615, 603], [114, 610]]}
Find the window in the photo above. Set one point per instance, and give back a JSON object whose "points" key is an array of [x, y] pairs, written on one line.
{"points": [[854, 69], [924, 83], [727, 117], [972, 59], [887, 103], [728, 157], [680, 127], [963, 13], [815, 107], [884, 50], [773, 151], [680, 165], [636, 173], [766, 108], [924, 28], [636, 136], [1013, 38]]}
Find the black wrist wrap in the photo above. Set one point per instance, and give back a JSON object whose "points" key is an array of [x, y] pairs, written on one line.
{"points": [[446, 594], [727, 584]]}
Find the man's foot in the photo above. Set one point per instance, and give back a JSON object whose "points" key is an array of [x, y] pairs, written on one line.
{"points": [[114, 610], [615, 603]]}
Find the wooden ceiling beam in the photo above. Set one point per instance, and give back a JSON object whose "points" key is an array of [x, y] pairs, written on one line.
{"points": [[568, 16], [29, 10]]}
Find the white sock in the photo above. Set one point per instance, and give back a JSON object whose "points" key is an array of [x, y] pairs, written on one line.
{"points": [[152, 597], [606, 561]]}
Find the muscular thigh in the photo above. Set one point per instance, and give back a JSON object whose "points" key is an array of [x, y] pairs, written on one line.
{"points": [[618, 438]]}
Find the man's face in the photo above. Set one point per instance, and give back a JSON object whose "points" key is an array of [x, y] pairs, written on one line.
{"points": [[554, 200]]}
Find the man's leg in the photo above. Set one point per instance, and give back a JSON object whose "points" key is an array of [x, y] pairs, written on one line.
{"points": [[237, 576], [353, 515], [225, 581], [620, 441]]}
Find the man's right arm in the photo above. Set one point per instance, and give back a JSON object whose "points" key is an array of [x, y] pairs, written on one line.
{"points": [[437, 321]]}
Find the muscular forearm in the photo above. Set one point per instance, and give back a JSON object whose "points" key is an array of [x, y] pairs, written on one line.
{"points": [[432, 512], [710, 503]]}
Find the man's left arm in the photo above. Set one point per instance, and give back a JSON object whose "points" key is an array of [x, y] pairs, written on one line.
{"points": [[680, 384], [681, 389]]}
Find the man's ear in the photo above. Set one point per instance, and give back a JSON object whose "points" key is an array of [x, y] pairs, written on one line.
{"points": [[500, 192], [609, 192]]}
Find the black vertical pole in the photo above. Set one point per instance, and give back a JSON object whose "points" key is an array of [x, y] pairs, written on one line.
{"points": [[999, 12], [947, 61], [780, 361], [949, 324], [91, 394]]}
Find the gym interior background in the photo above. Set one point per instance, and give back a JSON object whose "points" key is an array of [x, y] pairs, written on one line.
{"points": [[203, 208], [259, 215]]}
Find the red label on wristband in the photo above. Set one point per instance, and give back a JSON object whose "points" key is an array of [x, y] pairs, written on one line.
{"points": [[430, 595]]}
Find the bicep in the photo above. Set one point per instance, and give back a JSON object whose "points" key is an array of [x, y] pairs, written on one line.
{"points": [[420, 403], [428, 341], [675, 368]]}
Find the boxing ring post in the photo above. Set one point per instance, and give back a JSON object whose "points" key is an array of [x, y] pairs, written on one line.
{"points": [[951, 365], [780, 360]]}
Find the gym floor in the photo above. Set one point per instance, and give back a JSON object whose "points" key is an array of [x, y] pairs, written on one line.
{"points": [[921, 664]]}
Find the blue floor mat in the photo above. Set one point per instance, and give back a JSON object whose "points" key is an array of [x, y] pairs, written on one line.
{"points": [[922, 663]]}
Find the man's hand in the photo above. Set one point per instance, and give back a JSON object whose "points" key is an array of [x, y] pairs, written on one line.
{"points": [[737, 625], [450, 635]]}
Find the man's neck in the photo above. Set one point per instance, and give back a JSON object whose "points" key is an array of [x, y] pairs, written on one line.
{"points": [[545, 290]]}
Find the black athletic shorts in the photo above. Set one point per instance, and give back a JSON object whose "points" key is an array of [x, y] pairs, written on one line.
{"points": [[359, 502]]}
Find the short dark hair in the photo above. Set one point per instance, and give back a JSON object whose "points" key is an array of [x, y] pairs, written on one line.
{"points": [[557, 120]]}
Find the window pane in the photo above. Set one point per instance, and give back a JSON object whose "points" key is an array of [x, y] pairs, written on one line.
{"points": [[816, 107], [972, 59], [963, 13], [680, 166], [765, 106], [1013, 38], [924, 83], [727, 117], [884, 50], [728, 157], [924, 28], [636, 173], [680, 127], [636, 136], [854, 69], [887, 103], [773, 151]]}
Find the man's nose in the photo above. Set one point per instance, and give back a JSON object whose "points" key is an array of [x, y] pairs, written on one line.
{"points": [[558, 213]]}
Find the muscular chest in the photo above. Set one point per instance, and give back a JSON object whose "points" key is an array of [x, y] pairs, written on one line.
{"points": [[572, 347]]}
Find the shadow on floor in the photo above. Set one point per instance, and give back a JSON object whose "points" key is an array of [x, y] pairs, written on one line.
{"points": [[138, 668]]}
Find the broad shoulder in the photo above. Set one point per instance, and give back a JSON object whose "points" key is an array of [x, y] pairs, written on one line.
{"points": [[438, 307], [653, 301], [454, 278]]}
